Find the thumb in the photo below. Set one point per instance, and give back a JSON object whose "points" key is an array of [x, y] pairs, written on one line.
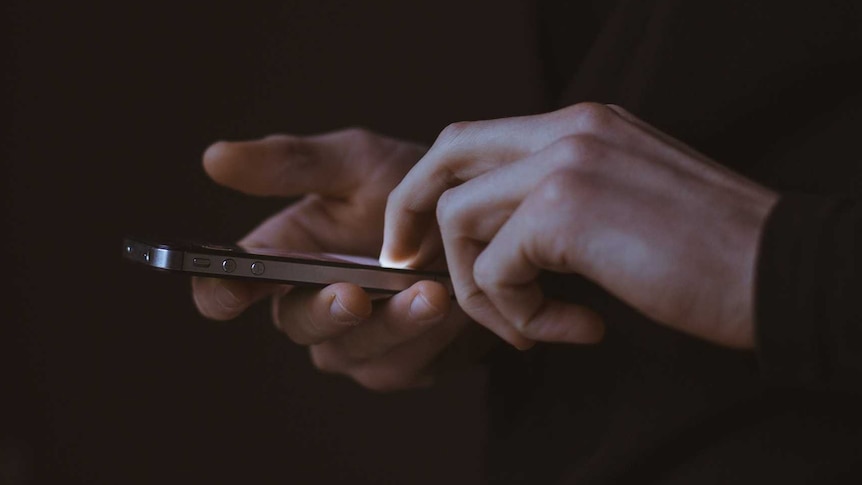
{"points": [[286, 165]]}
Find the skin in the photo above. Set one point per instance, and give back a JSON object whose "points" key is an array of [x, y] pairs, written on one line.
{"points": [[343, 179], [588, 189]]}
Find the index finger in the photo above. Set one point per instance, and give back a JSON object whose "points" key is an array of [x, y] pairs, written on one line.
{"points": [[286, 165], [464, 151], [281, 165]]}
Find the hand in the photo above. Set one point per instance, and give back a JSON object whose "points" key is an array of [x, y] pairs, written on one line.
{"points": [[588, 189], [345, 178]]}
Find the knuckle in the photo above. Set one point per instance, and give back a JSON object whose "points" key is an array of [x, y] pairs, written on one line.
{"points": [[285, 146], [560, 185], [473, 301], [361, 140], [580, 151], [592, 117], [354, 146], [393, 198], [279, 138], [358, 134], [618, 109], [485, 277], [568, 190], [447, 209], [453, 132], [293, 148]]}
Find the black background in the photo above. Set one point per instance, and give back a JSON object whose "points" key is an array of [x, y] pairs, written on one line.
{"points": [[109, 375]]}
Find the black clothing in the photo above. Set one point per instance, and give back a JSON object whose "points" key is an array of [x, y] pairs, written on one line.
{"points": [[809, 326], [771, 90]]}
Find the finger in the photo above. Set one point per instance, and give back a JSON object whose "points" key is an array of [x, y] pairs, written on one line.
{"points": [[461, 152], [473, 301], [285, 165], [479, 207], [293, 228], [312, 316], [224, 299], [466, 150], [414, 363], [471, 214], [402, 318], [507, 271], [312, 225], [462, 246]]}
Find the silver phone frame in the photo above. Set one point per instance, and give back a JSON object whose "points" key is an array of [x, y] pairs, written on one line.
{"points": [[193, 258]]}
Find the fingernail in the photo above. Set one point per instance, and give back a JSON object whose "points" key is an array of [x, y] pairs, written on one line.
{"points": [[422, 309], [342, 314], [226, 298]]}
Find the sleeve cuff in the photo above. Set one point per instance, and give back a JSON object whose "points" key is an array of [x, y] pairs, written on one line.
{"points": [[800, 272]]}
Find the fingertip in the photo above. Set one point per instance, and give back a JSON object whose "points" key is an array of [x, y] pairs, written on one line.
{"points": [[214, 158], [219, 299], [431, 301], [402, 242], [309, 316], [213, 153], [521, 343], [565, 323], [392, 255], [348, 302], [387, 260], [588, 327]]}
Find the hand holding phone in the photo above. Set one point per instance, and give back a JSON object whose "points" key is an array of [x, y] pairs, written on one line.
{"points": [[343, 179]]}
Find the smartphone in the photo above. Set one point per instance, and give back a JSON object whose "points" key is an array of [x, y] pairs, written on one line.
{"points": [[275, 265]]}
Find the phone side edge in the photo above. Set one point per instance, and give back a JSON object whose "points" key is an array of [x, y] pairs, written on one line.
{"points": [[156, 256]]}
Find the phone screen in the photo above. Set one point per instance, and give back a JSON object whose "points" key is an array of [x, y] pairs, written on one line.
{"points": [[285, 253]]}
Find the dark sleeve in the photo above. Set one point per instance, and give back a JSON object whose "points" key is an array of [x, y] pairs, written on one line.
{"points": [[808, 293]]}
